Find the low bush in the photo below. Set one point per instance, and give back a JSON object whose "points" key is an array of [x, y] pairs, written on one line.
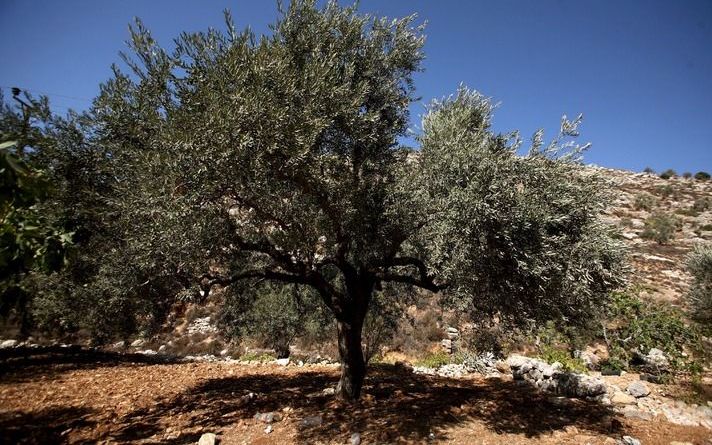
{"points": [[557, 344], [434, 360], [668, 190], [687, 175], [702, 176], [551, 354], [649, 170], [273, 315], [661, 227], [702, 204], [645, 201], [634, 325], [687, 212]]}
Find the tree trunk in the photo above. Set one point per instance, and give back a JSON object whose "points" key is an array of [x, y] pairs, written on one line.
{"points": [[353, 365]]}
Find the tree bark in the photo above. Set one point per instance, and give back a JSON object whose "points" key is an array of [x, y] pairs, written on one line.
{"points": [[353, 365]]}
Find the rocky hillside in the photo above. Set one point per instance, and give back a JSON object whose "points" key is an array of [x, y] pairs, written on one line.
{"points": [[643, 197]]}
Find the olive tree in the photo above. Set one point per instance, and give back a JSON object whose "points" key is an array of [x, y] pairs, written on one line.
{"points": [[276, 158], [699, 264]]}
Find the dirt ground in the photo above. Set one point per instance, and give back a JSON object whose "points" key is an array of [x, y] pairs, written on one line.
{"points": [[71, 396]]}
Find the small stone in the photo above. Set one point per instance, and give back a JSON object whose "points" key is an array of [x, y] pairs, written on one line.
{"points": [[328, 391], [207, 439], [268, 417], [311, 421], [355, 439], [162, 348], [282, 361], [638, 389], [8, 344], [502, 366], [632, 413], [628, 440], [268, 429], [137, 343], [621, 398]]}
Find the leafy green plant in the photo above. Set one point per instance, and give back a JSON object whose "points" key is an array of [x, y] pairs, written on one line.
{"points": [[645, 201], [272, 315], [649, 170], [687, 175], [551, 354], [702, 176], [668, 190], [660, 227], [434, 360], [637, 325]]}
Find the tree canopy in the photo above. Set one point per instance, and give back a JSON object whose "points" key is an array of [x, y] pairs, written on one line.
{"points": [[236, 159]]}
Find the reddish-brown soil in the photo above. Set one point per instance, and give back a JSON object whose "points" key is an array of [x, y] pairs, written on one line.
{"points": [[80, 397]]}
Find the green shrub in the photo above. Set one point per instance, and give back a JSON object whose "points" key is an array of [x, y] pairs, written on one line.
{"points": [[660, 227], [702, 176], [687, 175], [615, 361], [551, 354], [669, 173], [649, 170], [668, 190], [558, 343], [645, 201], [687, 212], [434, 360], [271, 314], [702, 204], [636, 325], [706, 227], [699, 264]]}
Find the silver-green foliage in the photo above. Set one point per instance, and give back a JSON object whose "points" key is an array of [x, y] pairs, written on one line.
{"points": [[517, 236], [276, 158], [699, 264]]}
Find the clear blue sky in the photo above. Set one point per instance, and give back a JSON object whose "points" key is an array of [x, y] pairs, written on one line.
{"points": [[640, 71]]}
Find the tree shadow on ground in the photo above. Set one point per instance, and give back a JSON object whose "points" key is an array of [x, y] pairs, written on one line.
{"points": [[27, 363], [48, 426], [397, 405]]}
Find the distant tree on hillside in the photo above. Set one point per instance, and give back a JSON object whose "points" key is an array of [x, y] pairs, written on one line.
{"points": [[275, 159], [669, 173], [702, 176]]}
